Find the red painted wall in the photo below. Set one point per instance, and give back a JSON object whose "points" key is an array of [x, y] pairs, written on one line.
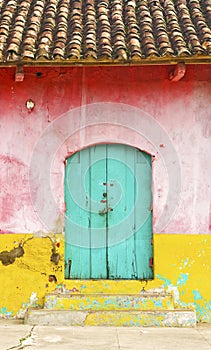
{"points": [[77, 107]]}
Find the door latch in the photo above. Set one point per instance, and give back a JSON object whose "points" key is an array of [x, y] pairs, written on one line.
{"points": [[105, 211]]}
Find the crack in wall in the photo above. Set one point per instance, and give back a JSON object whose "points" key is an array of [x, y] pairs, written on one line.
{"points": [[27, 267], [25, 341]]}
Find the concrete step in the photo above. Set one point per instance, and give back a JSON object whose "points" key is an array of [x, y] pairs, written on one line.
{"points": [[160, 318], [135, 302]]}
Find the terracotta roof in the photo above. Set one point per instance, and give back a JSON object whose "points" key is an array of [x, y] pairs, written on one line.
{"points": [[113, 30]]}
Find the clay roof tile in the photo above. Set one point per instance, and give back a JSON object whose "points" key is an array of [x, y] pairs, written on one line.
{"points": [[104, 29]]}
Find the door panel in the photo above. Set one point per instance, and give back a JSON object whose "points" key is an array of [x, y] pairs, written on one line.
{"points": [[143, 215], [77, 216], [108, 224], [121, 258], [97, 188]]}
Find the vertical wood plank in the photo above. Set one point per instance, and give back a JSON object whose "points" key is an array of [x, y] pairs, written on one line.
{"points": [[121, 195], [98, 185], [143, 215], [77, 221]]}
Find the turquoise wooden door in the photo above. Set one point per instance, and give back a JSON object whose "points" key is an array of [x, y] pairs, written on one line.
{"points": [[108, 222]]}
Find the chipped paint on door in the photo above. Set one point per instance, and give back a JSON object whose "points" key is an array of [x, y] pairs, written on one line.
{"points": [[108, 225]]}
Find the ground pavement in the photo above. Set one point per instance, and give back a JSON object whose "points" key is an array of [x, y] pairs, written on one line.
{"points": [[16, 336]]}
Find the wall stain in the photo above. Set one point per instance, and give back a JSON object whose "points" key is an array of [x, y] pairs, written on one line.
{"points": [[31, 273], [9, 257], [55, 257]]}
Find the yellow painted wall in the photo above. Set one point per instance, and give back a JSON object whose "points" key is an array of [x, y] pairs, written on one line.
{"points": [[181, 263]]}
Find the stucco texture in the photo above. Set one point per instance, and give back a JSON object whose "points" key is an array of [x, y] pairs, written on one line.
{"points": [[77, 107], [182, 266]]}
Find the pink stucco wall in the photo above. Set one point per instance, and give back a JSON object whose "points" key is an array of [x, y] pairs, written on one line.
{"points": [[78, 107]]}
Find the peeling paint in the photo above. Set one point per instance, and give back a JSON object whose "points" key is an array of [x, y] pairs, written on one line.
{"points": [[182, 279], [173, 108], [55, 257], [166, 281], [190, 288], [8, 257], [5, 313], [32, 302], [144, 301], [182, 255], [197, 295]]}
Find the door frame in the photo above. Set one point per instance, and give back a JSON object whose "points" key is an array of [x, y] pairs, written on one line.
{"points": [[152, 233]]}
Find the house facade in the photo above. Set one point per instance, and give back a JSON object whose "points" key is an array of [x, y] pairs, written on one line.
{"points": [[105, 148]]}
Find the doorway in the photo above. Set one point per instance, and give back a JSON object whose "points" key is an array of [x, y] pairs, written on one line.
{"points": [[108, 221]]}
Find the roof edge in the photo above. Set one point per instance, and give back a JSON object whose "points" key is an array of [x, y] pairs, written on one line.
{"points": [[83, 63]]}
